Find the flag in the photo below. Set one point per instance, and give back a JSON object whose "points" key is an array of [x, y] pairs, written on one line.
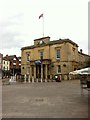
{"points": [[40, 16], [38, 62]]}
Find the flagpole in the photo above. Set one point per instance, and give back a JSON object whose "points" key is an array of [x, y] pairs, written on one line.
{"points": [[42, 15], [43, 25]]}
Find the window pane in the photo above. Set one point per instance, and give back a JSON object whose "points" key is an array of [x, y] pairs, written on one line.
{"points": [[59, 69], [58, 53], [41, 55], [28, 57]]}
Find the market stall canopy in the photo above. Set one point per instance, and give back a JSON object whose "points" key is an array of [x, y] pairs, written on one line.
{"points": [[81, 71]]}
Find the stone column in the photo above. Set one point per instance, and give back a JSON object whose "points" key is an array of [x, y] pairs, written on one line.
{"points": [[35, 71], [38, 71], [29, 78], [46, 73], [41, 72], [32, 79], [30, 72]]}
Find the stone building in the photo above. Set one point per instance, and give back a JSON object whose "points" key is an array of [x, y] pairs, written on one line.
{"points": [[47, 58], [83, 58], [1, 58]]}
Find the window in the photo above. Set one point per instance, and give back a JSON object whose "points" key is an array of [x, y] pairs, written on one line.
{"points": [[58, 54], [14, 58], [41, 55], [28, 56], [19, 59], [58, 69], [28, 70], [4, 68], [73, 54], [14, 63]]}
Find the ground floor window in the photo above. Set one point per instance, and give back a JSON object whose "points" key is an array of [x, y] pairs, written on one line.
{"points": [[28, 70], [58, 69]]}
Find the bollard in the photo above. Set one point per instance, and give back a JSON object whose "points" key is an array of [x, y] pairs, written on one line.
{"points": [[25, 78], [37, 80], [41, 80], [15, 77], [32, 79], [45, 80], [11, 77]]}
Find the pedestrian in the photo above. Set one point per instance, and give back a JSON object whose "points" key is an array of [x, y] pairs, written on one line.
{"points": [[59, 78]]}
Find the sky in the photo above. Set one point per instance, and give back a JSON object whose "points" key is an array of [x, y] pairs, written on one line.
{"points": [[20, 23]]}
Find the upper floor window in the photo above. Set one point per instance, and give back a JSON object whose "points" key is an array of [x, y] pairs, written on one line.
{"points": [[41, 55], [73, 54], [58, 54], [14, 63], [28, 56], [14, 58], [19, 59]]}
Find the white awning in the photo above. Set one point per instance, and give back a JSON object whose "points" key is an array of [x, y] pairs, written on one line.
{"points": [[81, 71]]}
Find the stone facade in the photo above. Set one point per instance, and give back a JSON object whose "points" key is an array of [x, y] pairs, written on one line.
{"points": [[1, 59], [47, 58], [83, 58]]}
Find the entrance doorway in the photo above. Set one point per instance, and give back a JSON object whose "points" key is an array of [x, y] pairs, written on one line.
{"points": [[38, 71]]}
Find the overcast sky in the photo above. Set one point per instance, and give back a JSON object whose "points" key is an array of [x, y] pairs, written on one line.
{"points": [[20, 23]]}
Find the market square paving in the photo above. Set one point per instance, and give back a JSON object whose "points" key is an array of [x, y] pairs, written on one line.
{"points": [[44, 100]]}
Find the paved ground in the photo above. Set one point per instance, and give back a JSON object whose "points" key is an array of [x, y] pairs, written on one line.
{"points": [[0, 99], [44, 100]]}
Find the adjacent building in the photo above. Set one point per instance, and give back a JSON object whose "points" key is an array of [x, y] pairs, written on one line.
{"points": [[5, 67], [14, 65], [47, 58], [83, 58], [6, 64]]}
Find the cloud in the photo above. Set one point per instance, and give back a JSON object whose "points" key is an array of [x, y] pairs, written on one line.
{"points": [[19, 23], [10, 32]]}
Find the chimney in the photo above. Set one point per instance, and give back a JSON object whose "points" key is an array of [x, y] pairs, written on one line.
{"points": [[7, 56], [80, 50], [14, 55]]}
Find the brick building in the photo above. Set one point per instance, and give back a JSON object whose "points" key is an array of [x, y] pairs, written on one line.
{"points": [[15, 67], [46, 58]]}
